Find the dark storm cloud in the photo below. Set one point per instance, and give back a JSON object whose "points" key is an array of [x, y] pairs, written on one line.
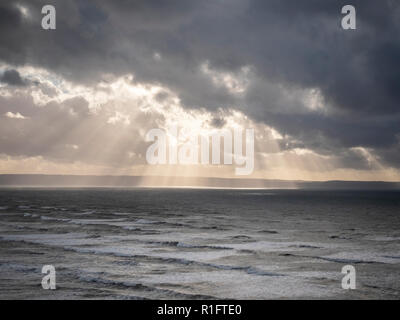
{"points": [[296, 45], [12, 78], [218, 122]]}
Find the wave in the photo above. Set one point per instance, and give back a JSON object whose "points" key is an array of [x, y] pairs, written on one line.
{"points": [[31, 215], [339, 259], [179, 244], [268, 231], [114, 252], [347, 261], [96, 278], [241, 237], [18, 267], [391, 257]]}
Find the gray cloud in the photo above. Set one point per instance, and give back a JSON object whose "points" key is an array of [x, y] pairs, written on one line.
{"points": [[290, 46], [13, 78], [67, 132]]}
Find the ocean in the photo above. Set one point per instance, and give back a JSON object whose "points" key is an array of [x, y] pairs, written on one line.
{"points": [[149, 243]]}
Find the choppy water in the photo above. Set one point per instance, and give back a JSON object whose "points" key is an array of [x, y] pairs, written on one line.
{"points": [[186, 243]]}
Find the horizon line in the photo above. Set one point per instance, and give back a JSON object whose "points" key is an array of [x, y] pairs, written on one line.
{"points": [[193, 177]]}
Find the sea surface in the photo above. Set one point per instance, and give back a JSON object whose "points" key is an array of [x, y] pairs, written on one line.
{"points": [[114, 243]]}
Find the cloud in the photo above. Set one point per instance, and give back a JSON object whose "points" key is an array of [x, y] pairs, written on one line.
{"points": [[14, 115], [285, 64], [12, 78]]}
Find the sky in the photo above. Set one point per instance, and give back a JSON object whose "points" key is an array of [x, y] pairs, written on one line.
{"points": [[324, 102]]}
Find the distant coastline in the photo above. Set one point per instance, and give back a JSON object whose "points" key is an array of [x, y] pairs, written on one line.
{"points": [[39, 180]]}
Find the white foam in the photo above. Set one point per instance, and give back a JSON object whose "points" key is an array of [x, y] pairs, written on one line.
{"points": [[234, 284], [146, 221], [382, 238], [54, 219], [269, 246], [96, 221], [32, 215]]}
